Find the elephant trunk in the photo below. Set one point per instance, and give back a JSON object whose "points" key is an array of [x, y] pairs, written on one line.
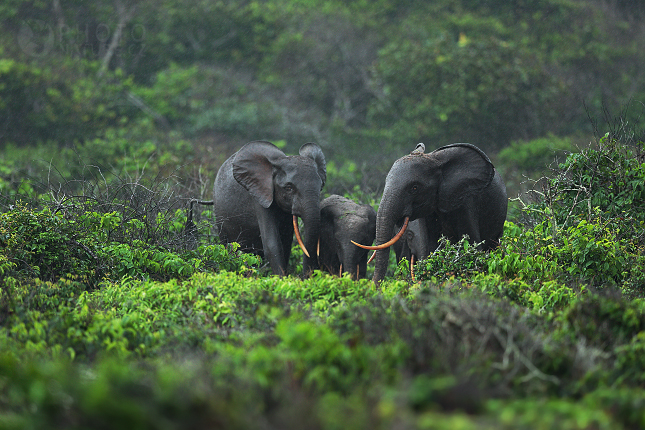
{"points": [[386, 218], [311, 221]]}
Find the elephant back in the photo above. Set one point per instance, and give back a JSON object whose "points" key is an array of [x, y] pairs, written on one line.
{"points": [[338, 206]]}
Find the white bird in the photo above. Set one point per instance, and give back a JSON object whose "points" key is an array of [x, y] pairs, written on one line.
{"points": [[419, 149]]}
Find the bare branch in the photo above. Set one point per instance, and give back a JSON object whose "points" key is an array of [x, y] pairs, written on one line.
{"points": [[125, 15]]}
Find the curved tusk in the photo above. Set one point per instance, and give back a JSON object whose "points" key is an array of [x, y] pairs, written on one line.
{"points": [[298, 238], [412, 268], [390, 242], [340, 273], [371, 258], [318, 248]]}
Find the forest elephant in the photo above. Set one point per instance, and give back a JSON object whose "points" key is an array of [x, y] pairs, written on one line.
{"points": [[455, 189], [341, 220], [414, 244], [260, 193]]}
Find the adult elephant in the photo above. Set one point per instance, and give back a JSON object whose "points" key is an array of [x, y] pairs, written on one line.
{"points": [[342, 219], [455, 189], [260, 192]]}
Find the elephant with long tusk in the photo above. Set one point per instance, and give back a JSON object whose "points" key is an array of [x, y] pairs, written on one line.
{"points": [[260, 193], [455, 189]]}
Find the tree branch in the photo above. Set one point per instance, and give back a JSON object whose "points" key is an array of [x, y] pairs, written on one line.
{"points": [[124, 17]]}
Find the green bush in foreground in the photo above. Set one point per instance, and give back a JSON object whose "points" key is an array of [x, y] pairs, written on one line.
{"points": [[50, 245], [234, 352]]}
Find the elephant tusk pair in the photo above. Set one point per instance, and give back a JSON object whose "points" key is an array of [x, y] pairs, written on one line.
{"points": [[411, 265], [358, 270], [299, 238], [390, 242]]}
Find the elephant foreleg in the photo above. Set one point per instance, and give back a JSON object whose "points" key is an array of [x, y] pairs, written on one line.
{"points": [[274, 234], [462, 224]]}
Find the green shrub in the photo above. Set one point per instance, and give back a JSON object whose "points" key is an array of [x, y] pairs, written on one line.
{"points": [[594, 252], [95, 246], [626, 405], [430, 68], [220, 101], [48, 245], [61, 102], [553, 413], [608, 182], [460, 260], [535, 155], [604, 320]]}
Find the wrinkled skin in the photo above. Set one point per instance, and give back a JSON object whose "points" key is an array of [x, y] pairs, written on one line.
{"points": [[341, 220], [414, 243], [259, 189], [454, 189]]}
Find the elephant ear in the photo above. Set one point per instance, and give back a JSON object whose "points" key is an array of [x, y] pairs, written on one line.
{"points": [[466, 171], [314, 152], [253, 169]]}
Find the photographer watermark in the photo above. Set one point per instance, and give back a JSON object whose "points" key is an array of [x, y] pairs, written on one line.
{"points": [[38, 38]]}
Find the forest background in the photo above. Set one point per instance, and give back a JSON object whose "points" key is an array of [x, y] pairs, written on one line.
{"points": [[114, 115], [193, 81]]}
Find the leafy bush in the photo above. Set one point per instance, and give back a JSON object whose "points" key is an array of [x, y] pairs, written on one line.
{"points": [[607, 182], [535, 155], [604, 320], [48, 245], [494, 80], [223, 102], [59, 103], [51, 245], [325, 338], [460, 260]]}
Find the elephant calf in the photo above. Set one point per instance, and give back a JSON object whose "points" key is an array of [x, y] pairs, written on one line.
{"points": [[413, 245], [342, 219]]}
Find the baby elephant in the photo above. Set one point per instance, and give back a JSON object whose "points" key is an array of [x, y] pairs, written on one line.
{"points": [[414, 244], [341, 220]]}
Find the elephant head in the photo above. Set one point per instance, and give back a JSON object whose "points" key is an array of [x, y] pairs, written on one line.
{"points": [[281, 189], [455, 189], [414, 244]]}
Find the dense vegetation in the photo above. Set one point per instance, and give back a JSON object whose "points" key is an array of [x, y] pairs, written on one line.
{"points": [[110, 320], [114, 116]]}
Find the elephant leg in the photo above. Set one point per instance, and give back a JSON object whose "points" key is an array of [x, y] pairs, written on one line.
{"points": [[362, 269], [434, 230], [471, 227], [355, 261], [286, 237], [271, 234], [463, 223]]}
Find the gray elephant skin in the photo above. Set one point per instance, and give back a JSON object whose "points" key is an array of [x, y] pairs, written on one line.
{"points": [[257, 192], [413, 245], [341, 220], [455, 189]]}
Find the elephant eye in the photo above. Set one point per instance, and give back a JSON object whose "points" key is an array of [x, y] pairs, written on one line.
{"points": [[288, 187], [414, 188]]}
